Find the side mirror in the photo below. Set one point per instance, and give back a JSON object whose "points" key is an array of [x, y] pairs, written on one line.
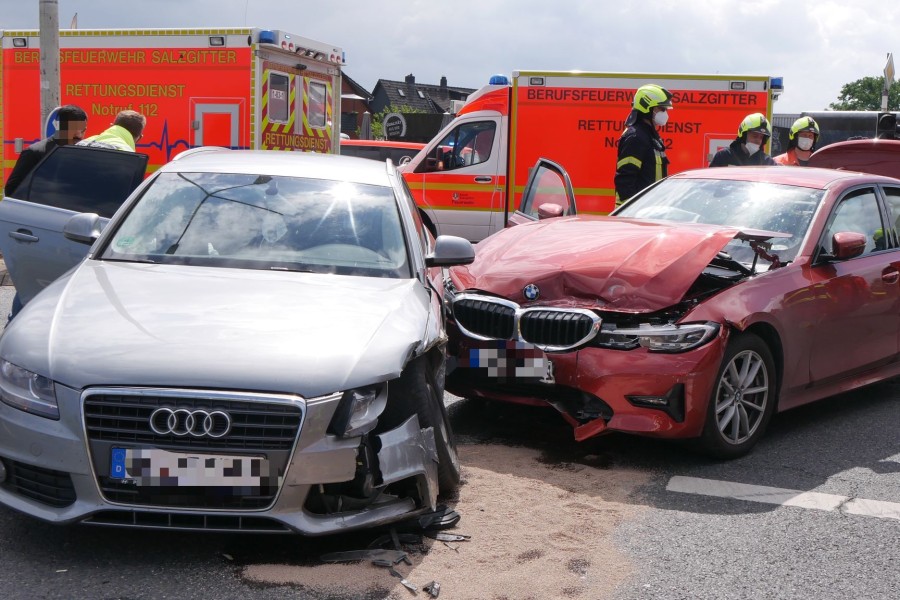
{"points": [[549, 210], [83, 228], [450, 250], [848, 244]]}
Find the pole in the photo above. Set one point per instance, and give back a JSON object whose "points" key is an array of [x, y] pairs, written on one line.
{"points": [[49, 20]]}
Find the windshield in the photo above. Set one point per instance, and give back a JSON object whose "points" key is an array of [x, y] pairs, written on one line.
{"points": [[264, 222], [744, 204]]}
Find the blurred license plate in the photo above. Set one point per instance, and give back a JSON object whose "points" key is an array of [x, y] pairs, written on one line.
{"points": [[160, 468], [511, 360]]}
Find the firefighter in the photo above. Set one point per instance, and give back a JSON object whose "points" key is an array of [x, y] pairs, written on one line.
{"points": [[801, 142], [642, 153], [748, 148], [72, 125]]}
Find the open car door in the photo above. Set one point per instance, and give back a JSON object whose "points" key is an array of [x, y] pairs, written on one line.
{"points": [[548, 193], [69, 180]]}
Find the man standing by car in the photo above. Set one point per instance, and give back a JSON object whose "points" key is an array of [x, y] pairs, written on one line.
{"points": [[801, 143], [124, 133], [72, 125], [642, 153], [747, 148]]}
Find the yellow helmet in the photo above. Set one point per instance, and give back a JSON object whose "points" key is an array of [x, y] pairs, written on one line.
{"points": [[650, 96], [755, 122], [804, 124]]}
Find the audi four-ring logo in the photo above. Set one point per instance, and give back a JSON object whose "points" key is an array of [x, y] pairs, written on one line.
{"points": [[196, 423]]}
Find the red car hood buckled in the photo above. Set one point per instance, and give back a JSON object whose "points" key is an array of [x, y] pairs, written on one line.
{"points": [[612, 262]]}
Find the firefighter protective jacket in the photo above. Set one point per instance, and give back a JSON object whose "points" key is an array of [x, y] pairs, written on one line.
{"points": [[790, 158], [642, 159], [735, 156]]}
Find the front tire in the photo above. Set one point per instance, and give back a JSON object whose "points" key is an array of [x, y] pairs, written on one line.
{"points": [[417, 391], [742, 400]]}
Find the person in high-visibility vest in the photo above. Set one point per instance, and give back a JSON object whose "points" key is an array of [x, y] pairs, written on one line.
{"points": [[801, 143], [642, 153], [748, 148]]}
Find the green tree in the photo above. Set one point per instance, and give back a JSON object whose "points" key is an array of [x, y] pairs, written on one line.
{"points": [[378, 118], [865, 94]]}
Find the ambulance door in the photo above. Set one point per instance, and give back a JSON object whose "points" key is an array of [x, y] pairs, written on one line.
{"points": [[216, 125], [459, 180]]}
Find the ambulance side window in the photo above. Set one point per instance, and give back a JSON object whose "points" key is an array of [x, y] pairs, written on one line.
{"points": [[278, 97], [468, 144]]}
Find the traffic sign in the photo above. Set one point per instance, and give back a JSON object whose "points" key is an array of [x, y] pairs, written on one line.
{"points": [[51, 126]]}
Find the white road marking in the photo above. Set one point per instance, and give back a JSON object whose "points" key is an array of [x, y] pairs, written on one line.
{"points": [[784, 497]]}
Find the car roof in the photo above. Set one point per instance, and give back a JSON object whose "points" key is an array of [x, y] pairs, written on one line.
{"points": [[311, 165], [800, 176]]}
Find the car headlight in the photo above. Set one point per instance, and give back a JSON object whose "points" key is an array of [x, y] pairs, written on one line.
{"points": [[659, 338], [27, 391], [358, 410]]}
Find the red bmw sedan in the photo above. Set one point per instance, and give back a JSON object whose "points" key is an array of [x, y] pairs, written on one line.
{"points": [[707, 303]]}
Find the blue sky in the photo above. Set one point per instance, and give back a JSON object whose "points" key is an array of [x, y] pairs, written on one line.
{"points": [[817, 46]]}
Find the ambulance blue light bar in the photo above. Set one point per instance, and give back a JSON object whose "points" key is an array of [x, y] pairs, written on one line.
{"points": [[499, 80], [266, 37]]}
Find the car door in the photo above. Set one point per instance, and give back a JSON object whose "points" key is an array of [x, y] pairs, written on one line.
{"points": [[68, 181], [459, 180], [857, 300], [548, 193]]}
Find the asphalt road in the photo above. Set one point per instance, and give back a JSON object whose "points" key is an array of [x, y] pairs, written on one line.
{"points": [[738, 543]]}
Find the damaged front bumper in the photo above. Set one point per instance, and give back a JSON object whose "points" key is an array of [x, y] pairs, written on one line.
{"points": [[597, 390], [50, 471]]}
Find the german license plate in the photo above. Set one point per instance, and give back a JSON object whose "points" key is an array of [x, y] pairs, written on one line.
{"points": [[153, 467], [511, 360]]}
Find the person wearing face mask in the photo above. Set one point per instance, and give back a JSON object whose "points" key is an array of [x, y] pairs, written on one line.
{"points": [[642, 153], [748, 148], [801, 142]]}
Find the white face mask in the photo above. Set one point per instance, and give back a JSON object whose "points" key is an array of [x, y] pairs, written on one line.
{"points": [[661, 118], [751, 148], [804, 143]]}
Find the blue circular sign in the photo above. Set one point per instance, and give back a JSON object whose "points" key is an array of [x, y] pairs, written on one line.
{"points": [[52, 124]]}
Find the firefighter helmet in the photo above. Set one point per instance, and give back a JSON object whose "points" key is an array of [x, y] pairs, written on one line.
{"points": [[651, 95], [755, 122], [804, 124]]}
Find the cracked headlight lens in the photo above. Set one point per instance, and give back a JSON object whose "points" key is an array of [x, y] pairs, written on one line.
{"points": [[27, 391]]}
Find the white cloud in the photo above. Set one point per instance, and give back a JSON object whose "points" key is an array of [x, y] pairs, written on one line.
{"points": [[816, 45]]}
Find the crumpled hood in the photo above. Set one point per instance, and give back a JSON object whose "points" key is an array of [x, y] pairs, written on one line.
{"points": [[612, 263], [175, 326]]}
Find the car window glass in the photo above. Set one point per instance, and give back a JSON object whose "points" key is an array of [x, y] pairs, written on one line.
{"points": [[892, 197], [80, 179], [468, 144], [264, 222], [857, 212], [549, 188]]}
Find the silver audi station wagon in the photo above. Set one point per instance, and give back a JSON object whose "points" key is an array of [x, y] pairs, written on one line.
{"points": [[255, 342]]}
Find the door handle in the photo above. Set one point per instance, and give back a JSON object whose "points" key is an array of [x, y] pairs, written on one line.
{"points": [[891, 276], [483, 179], [23, 235]]}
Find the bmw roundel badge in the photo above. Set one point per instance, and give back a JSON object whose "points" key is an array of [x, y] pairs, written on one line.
{"points": [[531, 292]]}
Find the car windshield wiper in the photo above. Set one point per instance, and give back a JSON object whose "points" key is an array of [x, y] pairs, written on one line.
{"points": [[132, 260], [726, 261], [291, 269]]}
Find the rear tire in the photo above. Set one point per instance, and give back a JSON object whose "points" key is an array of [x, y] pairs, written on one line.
{"points": [[742, 400], [417, 392]]}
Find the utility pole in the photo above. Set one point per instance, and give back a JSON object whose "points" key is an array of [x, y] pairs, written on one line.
{"points": [[49, 20]]}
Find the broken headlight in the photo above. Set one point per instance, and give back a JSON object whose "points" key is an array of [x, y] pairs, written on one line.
{"points": [[359, 409]]}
